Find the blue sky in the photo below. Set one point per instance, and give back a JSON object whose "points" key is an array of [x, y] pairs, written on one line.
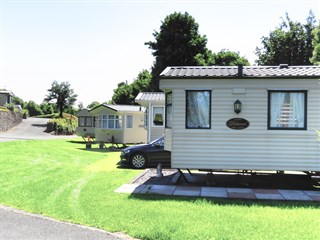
{"points": [[94, 45]]}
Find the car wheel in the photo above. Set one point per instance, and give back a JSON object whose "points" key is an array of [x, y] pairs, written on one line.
{"points": [[138, 161]]}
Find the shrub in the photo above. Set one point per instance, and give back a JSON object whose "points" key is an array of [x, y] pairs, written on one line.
{"points": [[64, 126]]}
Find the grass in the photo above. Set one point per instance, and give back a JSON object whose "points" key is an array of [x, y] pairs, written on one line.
{"points": [[61, 179]]}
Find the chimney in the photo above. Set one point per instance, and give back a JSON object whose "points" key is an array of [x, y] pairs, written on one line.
{"points": [[240, 71]]}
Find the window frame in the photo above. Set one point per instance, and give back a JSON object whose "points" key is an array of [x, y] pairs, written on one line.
{"points": [[166, 110], [86, 121], [163, 116], [131, 121], [305, 92], [186, 109], [106, 118], [81, 121]]}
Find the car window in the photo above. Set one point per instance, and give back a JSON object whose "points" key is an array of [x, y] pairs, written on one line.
{"points": [[159, 141]]}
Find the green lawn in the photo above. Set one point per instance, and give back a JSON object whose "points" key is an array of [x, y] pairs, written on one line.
{"points": [[61, 179]]}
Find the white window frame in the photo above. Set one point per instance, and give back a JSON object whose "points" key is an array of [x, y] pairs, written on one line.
{"points": [[153, 116], [129, 123], [107, 120]]}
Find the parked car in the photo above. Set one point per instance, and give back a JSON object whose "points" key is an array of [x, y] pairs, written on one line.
{"points": [[143, 155]]}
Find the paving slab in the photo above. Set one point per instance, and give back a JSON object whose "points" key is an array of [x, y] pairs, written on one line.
{"points": [[214, 192], [241, 195], [265, 191], [187, 191], [130, 188], [162, 189], [295, 195], [270, 196], [239, 190], [314, 195]]}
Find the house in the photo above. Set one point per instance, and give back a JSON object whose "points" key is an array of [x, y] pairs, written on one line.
{"points": [[243, 118], [119, 124], [154, 114], [86, 124], [5, 97]]}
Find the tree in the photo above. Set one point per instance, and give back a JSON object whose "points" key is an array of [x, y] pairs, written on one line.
{"points": [[47, 108], [18, 101], [93, 105], [63, 94], [229, 58], [141, 83], [290, 43], [33, 109], [126, 93], [178, 43], [123, 94], [315, 59]]}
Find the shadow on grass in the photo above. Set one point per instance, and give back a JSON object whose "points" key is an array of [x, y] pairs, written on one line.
{"points": [[228, 202], [103, 150]]}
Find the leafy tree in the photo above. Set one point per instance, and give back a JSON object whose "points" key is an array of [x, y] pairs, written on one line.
{"points": [[93, 105], [316, 46], [123, 94], [47, 108], [18, 101], [178, 43], [33, 109], [63, 94], [126, 93], [141, 83], [229, 58], [290, 43]]}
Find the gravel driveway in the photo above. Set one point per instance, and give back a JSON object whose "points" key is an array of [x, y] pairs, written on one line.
{"points": [[29, 129]]}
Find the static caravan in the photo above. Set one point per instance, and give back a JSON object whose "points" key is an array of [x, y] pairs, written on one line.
{"points": [[86, 124], [119, 124], [154, 114], [243, 118], [5, 97]]}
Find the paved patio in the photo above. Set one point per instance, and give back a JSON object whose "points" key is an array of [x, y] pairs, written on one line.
{"points": [[222, 192], [225, 185]]}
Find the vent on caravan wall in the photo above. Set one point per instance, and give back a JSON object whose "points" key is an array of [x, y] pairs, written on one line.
{"points": [[240, 71], [281, 66]]}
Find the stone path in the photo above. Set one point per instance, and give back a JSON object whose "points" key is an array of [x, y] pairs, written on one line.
{"points": [[221, 192]]}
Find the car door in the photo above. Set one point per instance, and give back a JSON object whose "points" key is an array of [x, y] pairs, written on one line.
{"points": [[158, 154]]}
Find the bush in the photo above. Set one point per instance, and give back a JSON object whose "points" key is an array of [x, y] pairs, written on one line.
{"points": [[25, 113], [64, 126]]}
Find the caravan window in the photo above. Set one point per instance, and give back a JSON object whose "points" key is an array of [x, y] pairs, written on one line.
{"points": [[287, 110], [109, 121], [158, 113], [198, 109], [88, 121], [129, 121], [81, 121]]}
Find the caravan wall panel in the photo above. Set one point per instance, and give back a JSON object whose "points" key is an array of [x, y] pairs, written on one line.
{"points": [[253, 148]]}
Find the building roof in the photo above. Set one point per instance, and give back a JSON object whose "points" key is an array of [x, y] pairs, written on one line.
{"points": [[6, 92], [150, 96], [281, 71], [122, 108]]}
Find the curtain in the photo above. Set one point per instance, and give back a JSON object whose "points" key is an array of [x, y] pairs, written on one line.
{"points": [[297, 102], [198, 109], [277, 100], [287, 109]]}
